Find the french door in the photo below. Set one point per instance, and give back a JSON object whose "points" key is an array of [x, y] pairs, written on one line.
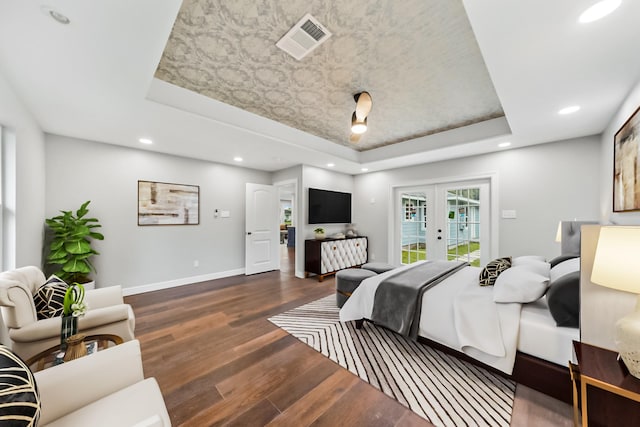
{"points": [[445, 221]]}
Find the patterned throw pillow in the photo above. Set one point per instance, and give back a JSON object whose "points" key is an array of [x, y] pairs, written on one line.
{"points": [[19, 399], [49, 298], [492, 270]]}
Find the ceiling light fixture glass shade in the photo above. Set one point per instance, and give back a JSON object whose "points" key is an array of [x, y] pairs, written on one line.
{"points": [[358, 126], [599, 10]]}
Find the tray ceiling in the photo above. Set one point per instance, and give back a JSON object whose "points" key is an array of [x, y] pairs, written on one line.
{"points": [[418, 59]]}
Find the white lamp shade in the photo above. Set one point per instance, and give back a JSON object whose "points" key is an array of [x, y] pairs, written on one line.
{"points": [[559, 232], [617, 261]]}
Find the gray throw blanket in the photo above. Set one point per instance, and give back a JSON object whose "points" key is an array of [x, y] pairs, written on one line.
{"points": [[397, 303]]}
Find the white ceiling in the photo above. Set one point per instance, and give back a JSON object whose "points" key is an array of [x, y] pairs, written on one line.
{"points": [[93, 79]]}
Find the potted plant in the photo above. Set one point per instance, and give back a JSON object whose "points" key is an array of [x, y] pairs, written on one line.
{"points": [[71, 246], [319, 233]]}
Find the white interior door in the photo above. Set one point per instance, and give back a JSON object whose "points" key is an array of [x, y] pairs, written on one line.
{"points": [[262, 231]]}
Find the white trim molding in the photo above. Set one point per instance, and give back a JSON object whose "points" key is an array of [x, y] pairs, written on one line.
{"points": [[180, 282]]}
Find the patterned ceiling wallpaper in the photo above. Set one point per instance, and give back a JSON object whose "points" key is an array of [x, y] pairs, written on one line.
{"points": [[418, 59]]}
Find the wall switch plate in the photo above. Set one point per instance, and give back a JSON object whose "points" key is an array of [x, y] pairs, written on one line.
{"points": [[196, 263], [509, 214], [225, 214]]}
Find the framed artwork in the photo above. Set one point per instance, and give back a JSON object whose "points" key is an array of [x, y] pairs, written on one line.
{"points": [[161, 203], [626, 166]]}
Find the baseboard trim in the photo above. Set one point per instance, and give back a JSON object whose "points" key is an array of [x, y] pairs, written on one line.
{"points": [[180, 282]]}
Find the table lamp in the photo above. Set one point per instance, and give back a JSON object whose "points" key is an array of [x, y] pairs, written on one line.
{"points": [[559, 233], [617, 266]]}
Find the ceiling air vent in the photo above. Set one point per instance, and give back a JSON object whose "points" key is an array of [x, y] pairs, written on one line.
{"points": [[305, 36]]}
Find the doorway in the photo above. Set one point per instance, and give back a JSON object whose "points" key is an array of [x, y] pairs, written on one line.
{"points": [[443, 221], [288, 213]]}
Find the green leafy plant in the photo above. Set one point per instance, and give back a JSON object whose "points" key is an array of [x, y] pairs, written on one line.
{"points": [[71, 246], [319, 230]]}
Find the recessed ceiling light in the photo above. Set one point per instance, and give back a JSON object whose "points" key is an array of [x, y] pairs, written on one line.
{"points": [[330, 165], [364, 169], [569, 110], [599, 10], [145, 141], [504, 144], [237, 159], [59, 17]]}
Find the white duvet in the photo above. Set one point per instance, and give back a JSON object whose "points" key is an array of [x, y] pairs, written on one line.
{"points": [[457, 313]]}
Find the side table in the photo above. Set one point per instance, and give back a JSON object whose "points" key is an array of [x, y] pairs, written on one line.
{"points": [[599, 368], [48, 357]]}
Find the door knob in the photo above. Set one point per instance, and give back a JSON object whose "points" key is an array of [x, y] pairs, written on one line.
{"points": [[439, 230], [248, 233], [439, 237]]}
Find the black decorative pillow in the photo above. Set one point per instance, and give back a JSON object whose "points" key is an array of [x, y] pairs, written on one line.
{"points": [[492, 270], [561, 258], [49, 298], [563, 298], [19, 399]]}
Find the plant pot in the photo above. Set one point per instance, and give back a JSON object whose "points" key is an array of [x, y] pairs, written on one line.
{"points": [[89, 285], [320, 236]]}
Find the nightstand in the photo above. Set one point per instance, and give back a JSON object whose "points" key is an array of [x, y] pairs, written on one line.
{"points": [[599, 368]]}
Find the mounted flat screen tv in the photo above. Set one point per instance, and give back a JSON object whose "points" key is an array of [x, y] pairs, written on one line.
{"points": [[329, 207]]}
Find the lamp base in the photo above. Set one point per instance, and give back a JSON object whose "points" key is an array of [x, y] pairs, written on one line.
{"points": [[628, 341]]}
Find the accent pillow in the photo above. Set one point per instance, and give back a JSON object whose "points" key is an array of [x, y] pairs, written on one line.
{"points": [[564, 267], [49, 298], [540, 267], [527, 258], [563, 298], [492, 270], [19, 399], [561, 258], [520, 284]]}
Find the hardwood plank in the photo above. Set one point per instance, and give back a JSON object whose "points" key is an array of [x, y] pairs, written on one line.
{"points": [[320, 399], [218, 359], [380, 410]]}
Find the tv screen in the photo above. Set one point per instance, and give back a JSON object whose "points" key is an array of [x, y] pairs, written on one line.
{"points": [[329, 207]]}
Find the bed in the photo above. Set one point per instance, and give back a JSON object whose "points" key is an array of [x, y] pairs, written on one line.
{"points": [[460, 314], [526, 339]]}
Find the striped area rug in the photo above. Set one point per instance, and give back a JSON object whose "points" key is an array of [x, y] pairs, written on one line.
{"points": [[440, 388]]}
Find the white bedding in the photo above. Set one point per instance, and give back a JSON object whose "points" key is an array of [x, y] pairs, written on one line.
{"points": [[539, 336], [469, 321]]}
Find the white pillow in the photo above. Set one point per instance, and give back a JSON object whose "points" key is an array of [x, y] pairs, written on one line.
{"points": [[536, 264], [565, 267], [528, 258], [520, 284]]}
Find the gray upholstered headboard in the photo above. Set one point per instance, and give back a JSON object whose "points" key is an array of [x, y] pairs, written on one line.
{"points": [[570, 236]]}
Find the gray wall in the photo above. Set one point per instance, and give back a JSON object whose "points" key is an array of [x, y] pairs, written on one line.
{"points": [[544, 184], [601, 306], [23, 181], [130, 255], [23, 171], [606, 163], [326, 180]]}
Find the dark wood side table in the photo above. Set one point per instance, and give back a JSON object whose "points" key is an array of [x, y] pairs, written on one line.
{"points": [[600, 369]]}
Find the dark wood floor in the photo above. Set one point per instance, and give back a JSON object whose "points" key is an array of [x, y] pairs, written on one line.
{"points": [[220, 362]]}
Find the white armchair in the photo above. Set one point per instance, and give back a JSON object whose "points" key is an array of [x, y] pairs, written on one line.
{"points": [[104, 389], [107, 314]]}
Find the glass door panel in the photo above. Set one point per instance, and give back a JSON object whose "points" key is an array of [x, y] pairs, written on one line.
{"points": [[413, 227], [464, 230]]}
